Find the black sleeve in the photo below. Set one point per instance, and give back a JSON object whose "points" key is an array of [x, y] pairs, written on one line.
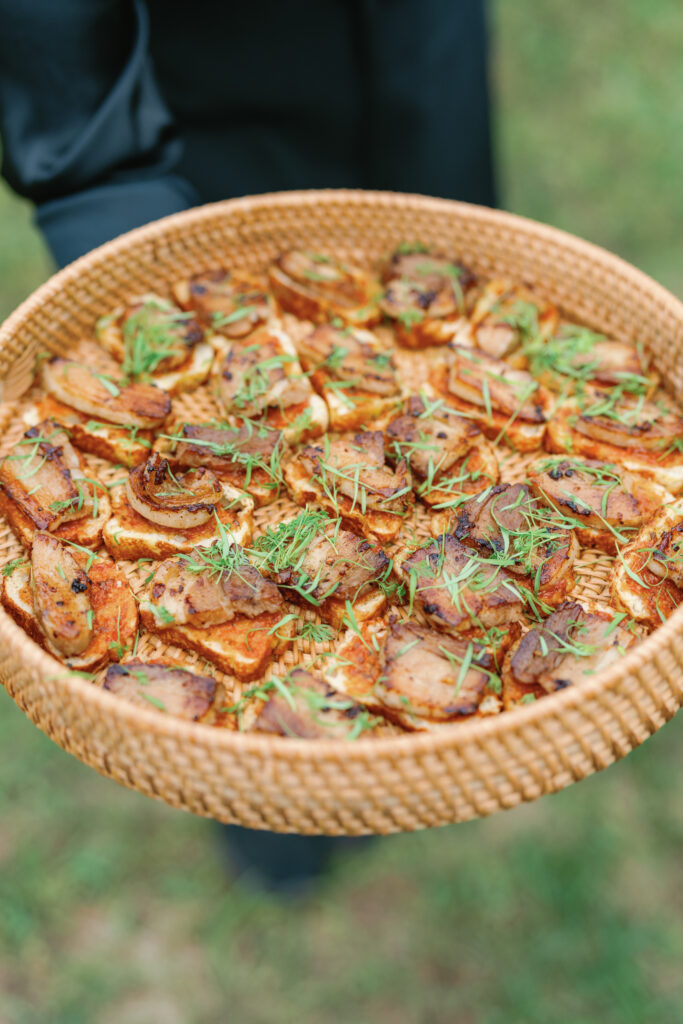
{"points": [[85, 132]]}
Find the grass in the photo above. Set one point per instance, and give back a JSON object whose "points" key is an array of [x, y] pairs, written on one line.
{"points": [[115, 908]]}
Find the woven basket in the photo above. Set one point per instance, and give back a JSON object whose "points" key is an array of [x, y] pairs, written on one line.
{"points": [[322, 786]]}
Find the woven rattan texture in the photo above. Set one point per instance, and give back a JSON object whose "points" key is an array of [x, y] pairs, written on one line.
{"points": [[391, 784]]}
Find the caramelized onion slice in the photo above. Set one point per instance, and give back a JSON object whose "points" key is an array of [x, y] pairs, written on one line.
{"points": [[180, 502]]}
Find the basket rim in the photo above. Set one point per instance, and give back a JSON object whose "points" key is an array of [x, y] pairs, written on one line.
{"points": [[460, 734]]}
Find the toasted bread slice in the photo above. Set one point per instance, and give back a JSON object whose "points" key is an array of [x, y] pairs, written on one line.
{"points": [[126, 446], [188, 377], [243, 647], [115, 613], [86, 531], [665, 468], [129, 535], [505, 317], [647, 596]]}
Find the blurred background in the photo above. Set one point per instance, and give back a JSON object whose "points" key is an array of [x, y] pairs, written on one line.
{"points": [[116, 909]]}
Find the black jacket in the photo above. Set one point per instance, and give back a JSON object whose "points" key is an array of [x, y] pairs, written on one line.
{"points": [[116, 112]]}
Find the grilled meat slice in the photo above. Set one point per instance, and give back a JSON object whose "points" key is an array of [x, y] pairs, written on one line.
{"points": [[457, 589], [231, 304], [575, 355], [182, 502], [351, 356], [186, 591], [153, 684], [493, 385], [82, 388], [330, 562], [312, 710], [262, 374], [606, 500], [626, 420], [508, 315], [150, 335], [571, 645], [433, 676], [647, 577], [431, 440], [355, 468], [42, 474], [315, 287], [61, 596]]}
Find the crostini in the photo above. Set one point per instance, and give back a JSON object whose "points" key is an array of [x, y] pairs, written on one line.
{"points": [[317, 287], [226, 303], [647, 577]]}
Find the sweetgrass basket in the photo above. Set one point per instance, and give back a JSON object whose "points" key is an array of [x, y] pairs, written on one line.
{"points": [[369, 786]]}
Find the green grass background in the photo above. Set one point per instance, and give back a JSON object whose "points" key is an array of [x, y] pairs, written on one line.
{"points": [[116, 909]]}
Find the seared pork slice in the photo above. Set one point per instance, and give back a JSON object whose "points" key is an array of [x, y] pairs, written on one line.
{"points": [[82, 388], [179, 502], [457, 589], [61, 596], [324, 561], [493, 385], [352, 356], [231, 304], [42, 474], [430, 439], [227, 447], [420, 285], [312, 709], [430, 675], [149, 335], [516, 530], [315, 287], [188, 590], [261, 374], [627, 420], [508, 315], [355, 468], [571, 645], [154, 684], [575, 355], [600, 495]]}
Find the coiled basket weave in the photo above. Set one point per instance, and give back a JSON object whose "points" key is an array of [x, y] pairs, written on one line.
{"points": [[323, 786]]}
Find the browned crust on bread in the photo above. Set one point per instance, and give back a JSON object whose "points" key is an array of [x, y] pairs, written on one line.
{"points": [[86, 531]]}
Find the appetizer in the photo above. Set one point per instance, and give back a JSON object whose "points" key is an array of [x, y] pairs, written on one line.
{"points": [[572, 645], [160, 514], [447, 454], [74, 603], [647, 578], [303, 705], [105, 417], [317, 287], [317, 562], [512, 528], [261, 379], [607, 502], [416, 676], [156, 341], [425, 297], [506, 318], [230, 304], [213, 602], [507, 404], [458, 590], [350, 478], [44, 486], [642, 435], [352, 371]]}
